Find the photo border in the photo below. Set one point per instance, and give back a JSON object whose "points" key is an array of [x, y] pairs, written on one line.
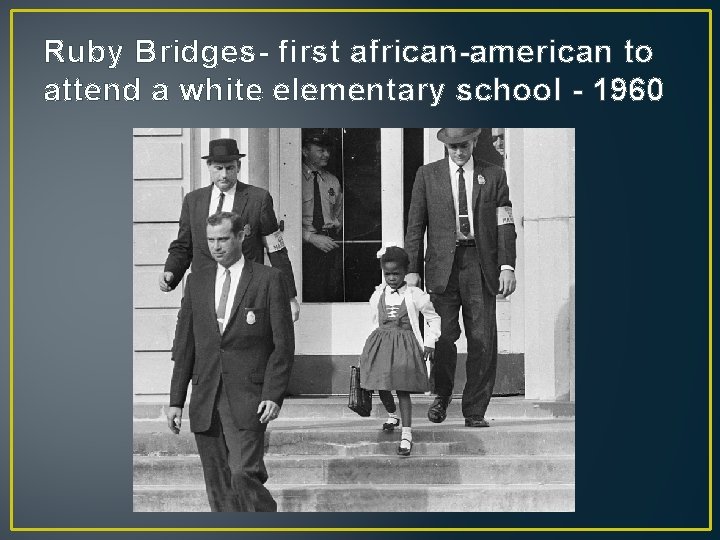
{"points": [[13, 528]]}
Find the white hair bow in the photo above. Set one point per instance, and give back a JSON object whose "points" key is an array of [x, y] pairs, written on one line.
{"points": [[384, 249]]}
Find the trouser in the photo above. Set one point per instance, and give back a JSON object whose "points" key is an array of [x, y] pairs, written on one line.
{"points": [[322, 275], [466, 288], [232, 462]]}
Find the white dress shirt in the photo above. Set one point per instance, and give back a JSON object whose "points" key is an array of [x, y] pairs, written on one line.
{"points": [[235, 272], [227, 202], [468, 174]]}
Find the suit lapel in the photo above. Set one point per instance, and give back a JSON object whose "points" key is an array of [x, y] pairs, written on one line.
{"points": [[210, 295], [475, 185], [203, 209], [446, 188], [245, 278], [241, 198]]}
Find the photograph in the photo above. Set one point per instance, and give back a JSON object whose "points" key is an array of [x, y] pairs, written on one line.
{"points": [[353, 319]]}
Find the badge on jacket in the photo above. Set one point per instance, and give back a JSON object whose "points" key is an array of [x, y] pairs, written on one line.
{"points": [[250, 317], [480, 179]]}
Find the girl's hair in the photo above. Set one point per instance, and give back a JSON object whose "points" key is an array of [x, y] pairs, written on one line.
{"points": [[397, 255]]}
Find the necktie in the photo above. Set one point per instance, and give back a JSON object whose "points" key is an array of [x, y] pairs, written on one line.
{"points": [[462, 205], [318, 220], [220, 202], [223, 300]]}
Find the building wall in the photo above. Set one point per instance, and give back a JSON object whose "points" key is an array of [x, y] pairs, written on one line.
{"points": [[162, 173], [549, 265]]}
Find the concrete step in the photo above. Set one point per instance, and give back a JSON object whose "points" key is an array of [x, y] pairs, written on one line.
{"points": [[149, 407], [356, 437], [378, 498], [186, 470]]}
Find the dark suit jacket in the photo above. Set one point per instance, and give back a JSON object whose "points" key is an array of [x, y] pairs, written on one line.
{"points": [[254, 355], [432, 207], [254, 205]]}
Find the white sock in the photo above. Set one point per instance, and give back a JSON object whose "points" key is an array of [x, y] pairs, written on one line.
{"points": [[406, 433], [393, 416]]}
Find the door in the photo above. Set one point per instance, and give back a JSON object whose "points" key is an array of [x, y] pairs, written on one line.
{"points": [[368, 162]]}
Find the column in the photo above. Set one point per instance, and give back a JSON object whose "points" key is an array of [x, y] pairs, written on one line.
{"points": [[549, 242]]}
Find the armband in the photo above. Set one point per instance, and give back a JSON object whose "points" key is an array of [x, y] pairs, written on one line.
{"points": [[274, 242], [505, 215]]}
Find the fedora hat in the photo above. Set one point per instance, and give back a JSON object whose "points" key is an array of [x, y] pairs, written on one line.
{"points": [[319, 137], [457, 135], [223, 150]]}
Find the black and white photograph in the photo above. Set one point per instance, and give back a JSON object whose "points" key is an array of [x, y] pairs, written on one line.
{"points": [[353, 319]]}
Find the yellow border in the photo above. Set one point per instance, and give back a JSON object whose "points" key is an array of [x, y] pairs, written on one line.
{"points": [[11, 272], [350, 529]]}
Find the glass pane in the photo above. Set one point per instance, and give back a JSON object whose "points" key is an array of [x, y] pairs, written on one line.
{"points": [[343, 232]]}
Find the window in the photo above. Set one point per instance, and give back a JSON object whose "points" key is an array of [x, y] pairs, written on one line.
{"points": [[339, 260]]}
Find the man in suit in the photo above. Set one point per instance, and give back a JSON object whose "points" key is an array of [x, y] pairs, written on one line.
{"points": [[464, 205], [237, 348], [253, 204]]}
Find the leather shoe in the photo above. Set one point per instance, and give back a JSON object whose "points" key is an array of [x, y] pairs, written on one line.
{"points": [[403, 450], [476, 421], [389, 427], [438, 410]]}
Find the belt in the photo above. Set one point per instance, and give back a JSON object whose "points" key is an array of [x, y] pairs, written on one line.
{"points": [[468, 242]]}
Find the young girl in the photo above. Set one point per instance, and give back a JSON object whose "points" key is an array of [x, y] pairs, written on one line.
{"points": [[395, 353]]}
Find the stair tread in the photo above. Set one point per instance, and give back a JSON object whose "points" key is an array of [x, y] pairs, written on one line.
{"points": [[371, 425], [373, 457], [336, 406], [384, 487]]}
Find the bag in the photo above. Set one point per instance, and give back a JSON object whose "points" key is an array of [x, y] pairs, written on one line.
{"points": [[359, 399]]}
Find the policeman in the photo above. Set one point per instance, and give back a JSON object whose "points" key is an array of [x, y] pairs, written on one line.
{"points": [[321, 221]]}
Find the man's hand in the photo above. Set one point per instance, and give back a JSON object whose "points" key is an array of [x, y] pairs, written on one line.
{"points": [[412, 279], [174, 418], [295, 309], [323, 243], [507, 283], [268, 410], [165, 280], [429, 354]]}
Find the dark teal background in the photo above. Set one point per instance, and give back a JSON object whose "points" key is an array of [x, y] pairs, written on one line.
{"points": [[641, 266]]}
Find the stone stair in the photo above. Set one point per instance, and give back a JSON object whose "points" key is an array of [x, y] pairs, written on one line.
{"points": [[319, 449]]}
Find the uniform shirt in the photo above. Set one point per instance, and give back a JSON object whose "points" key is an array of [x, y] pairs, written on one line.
{"points": [[330, 198], [235, 272], [227, 202]]}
